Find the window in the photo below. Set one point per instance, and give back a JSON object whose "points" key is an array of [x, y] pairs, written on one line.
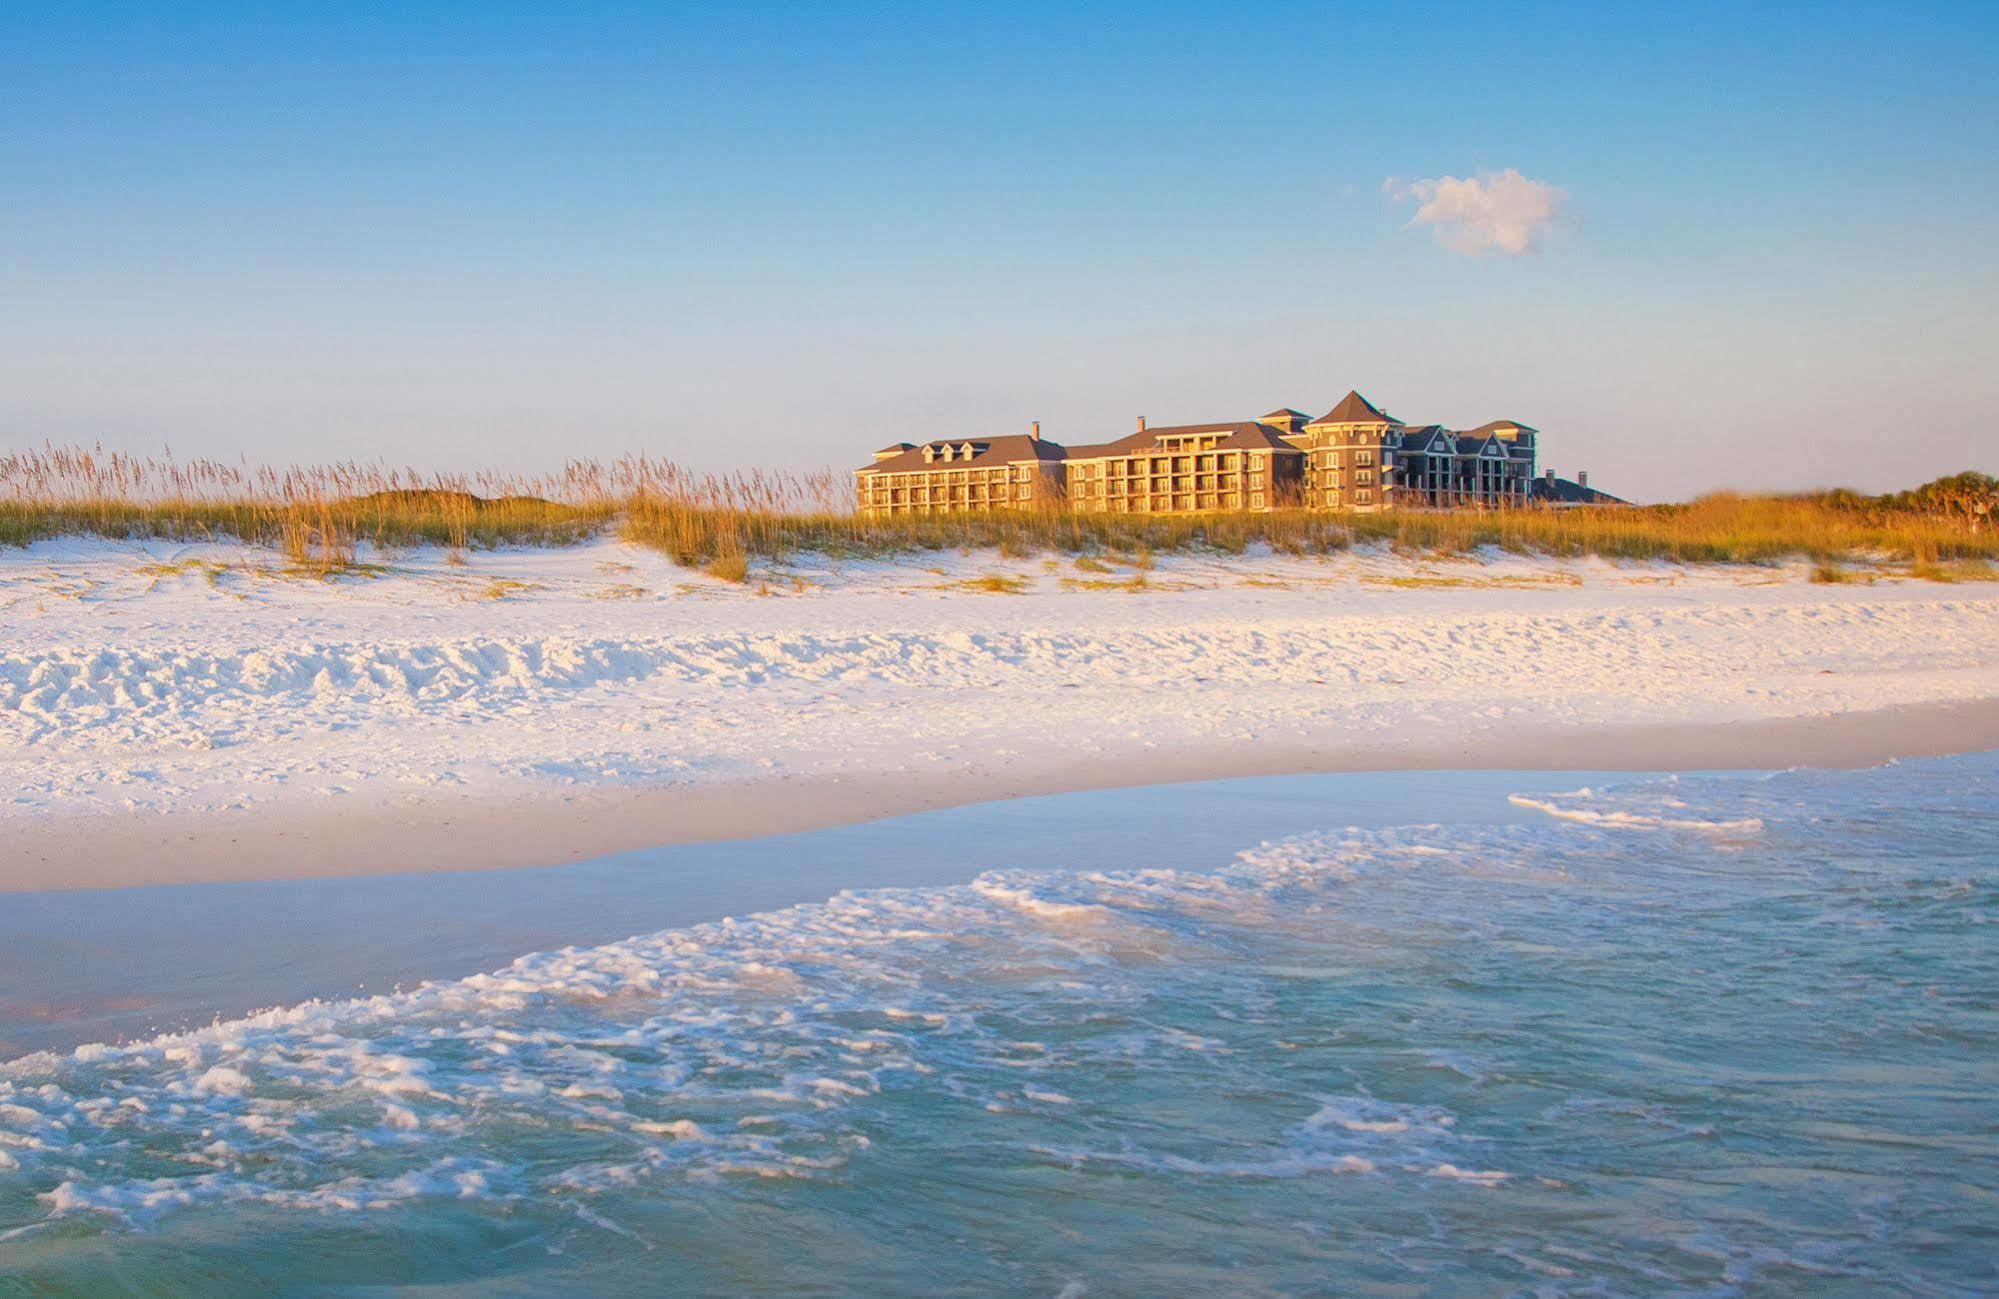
{"points": [[1364, 497], [1363, 457]]}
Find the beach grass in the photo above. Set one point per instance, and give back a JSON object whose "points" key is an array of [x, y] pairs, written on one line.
{"points": [[1716, 529], [993, 584], [316, 535], [319, 518], [731, 566]]}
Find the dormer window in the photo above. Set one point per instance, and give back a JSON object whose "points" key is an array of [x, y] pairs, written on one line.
{"points": [[929, 453], [965, 451]]}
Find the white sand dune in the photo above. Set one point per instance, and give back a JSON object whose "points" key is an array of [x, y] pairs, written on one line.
{"points": [[202, 682]]}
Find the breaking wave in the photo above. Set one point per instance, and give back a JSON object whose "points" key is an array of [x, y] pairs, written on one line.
{"points": [[1390, 1052]]}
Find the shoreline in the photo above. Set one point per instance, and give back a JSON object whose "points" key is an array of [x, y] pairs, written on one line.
{"points": [[522, 830], [173, 958]]}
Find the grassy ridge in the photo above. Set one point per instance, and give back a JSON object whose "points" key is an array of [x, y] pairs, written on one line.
{"points": [[321, 536], [388, 524], [318, 516], [1715, 529]]}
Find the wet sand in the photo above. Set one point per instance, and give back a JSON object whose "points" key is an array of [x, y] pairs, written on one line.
{"points": [[351, 836]]}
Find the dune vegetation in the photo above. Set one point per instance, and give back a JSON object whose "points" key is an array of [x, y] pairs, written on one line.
{"points": [[319, 517]]}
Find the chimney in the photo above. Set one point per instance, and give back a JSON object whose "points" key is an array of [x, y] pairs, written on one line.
{"points": [[1035, 430], [1141, 423], [1582, 478], [1551, 478]]}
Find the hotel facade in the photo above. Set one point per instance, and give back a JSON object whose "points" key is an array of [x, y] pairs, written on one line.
{"points": [[1354, 457]]}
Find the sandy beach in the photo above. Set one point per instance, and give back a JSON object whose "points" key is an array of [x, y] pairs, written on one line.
{"points": [[825, 650], [180, 714], [472, 832]]}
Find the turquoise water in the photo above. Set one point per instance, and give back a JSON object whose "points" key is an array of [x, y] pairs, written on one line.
{"points": [[1713, 1035]]}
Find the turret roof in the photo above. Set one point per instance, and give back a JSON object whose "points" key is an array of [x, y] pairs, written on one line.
{"points": [[1355, 409]]}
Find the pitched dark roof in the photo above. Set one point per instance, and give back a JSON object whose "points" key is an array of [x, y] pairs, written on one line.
{"points": [[1354, 409], [1565, 491], [1256, 437], [1240, 434], [991, 452], [1236, 435], [1419, 439], [1129, 444]]}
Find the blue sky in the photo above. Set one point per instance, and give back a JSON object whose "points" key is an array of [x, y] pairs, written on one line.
{"points": [[461, 235]]}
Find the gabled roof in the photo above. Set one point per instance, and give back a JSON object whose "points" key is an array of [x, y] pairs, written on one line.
{"points": [[1354, 409], [989, 452], [1471, 444], [1418, 439], [1499, 424], [1284, 413]]}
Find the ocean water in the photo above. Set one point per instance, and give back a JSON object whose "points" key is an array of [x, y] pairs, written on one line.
{"points": [[1731, 1034]]}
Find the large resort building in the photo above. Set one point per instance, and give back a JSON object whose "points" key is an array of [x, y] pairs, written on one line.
{"points": [[1354, 457]]}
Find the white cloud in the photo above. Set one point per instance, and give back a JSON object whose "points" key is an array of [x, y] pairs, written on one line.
{"points": [[1494, 212]]}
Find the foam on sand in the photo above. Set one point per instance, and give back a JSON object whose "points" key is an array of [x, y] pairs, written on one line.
{"points": [[1623, 819]]}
